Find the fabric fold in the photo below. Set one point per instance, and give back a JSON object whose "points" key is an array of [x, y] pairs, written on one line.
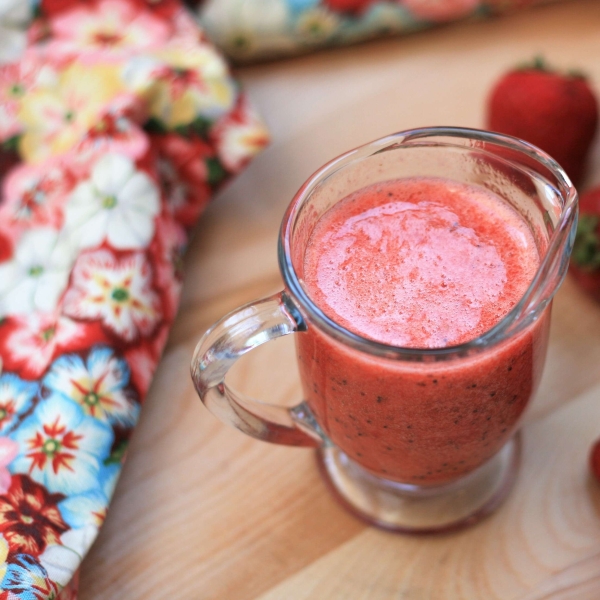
{"points": [[118, 122]]}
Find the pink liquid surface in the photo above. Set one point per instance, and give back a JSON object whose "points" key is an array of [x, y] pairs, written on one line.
{"points": [[420, 263]]}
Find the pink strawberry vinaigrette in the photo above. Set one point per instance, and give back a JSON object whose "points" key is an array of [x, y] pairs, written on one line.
{"points": [[420, 263]]}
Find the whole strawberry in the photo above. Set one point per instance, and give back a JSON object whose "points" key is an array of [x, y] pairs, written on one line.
{"points": [[585, 259], [556, 112]]}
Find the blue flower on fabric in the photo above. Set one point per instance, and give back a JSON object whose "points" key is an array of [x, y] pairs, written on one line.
{"points": [[61, 447], [84, 509], [90, 508], [98, 385], [108, 478], [16, 397], [85, 514], [299, 6], [26, 579]]}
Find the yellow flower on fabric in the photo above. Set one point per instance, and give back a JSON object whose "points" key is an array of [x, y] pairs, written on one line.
{"points": [[202, 59], [182, 83], [56, 118]]}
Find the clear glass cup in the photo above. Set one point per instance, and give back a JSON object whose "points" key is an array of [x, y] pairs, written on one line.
{"points": [[412, 440]]}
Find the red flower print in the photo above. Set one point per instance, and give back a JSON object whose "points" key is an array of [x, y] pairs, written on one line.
{"points": [[16, 80], [239, 136], [52, 7], [183, 175], [8, 411], [5, 247], [38, 31], [115, 28], [142, 362], [60, 446], [56, 445], [29, 343], [115, 131], [34, 196], [348, 6], [71, 590], [117, 291], [29, 517], [179, 79], [166, 253], [144, 357]]}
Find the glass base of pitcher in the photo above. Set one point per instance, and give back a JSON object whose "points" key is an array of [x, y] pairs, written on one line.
{"points": [[407, 508]]}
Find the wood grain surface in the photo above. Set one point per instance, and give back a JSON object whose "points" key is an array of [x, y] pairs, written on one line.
{"points": [[204, 513]]}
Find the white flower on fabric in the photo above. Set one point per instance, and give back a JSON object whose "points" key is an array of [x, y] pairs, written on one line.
{"points": [[14, 15], [62, 448], [248, 28], [98, 385], [117, 291], [61, 561], [118, 204], [38, 273]]}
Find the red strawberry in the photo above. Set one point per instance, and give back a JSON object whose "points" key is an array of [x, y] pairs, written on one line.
{"points": [[556, 112], [585, 260]]}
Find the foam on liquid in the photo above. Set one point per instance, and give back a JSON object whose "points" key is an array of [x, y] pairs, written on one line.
{"points": [[422, 263]]}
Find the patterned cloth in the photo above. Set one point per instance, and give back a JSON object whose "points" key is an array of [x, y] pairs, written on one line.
{"points": [[118, 121], [255, 29]]}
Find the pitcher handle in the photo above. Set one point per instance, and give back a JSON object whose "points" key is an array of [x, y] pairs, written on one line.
{"points": [[230, 338]]}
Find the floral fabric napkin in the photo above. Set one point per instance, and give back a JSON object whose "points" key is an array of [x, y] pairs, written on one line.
{"points": [[118, 121], [256, 29]]}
